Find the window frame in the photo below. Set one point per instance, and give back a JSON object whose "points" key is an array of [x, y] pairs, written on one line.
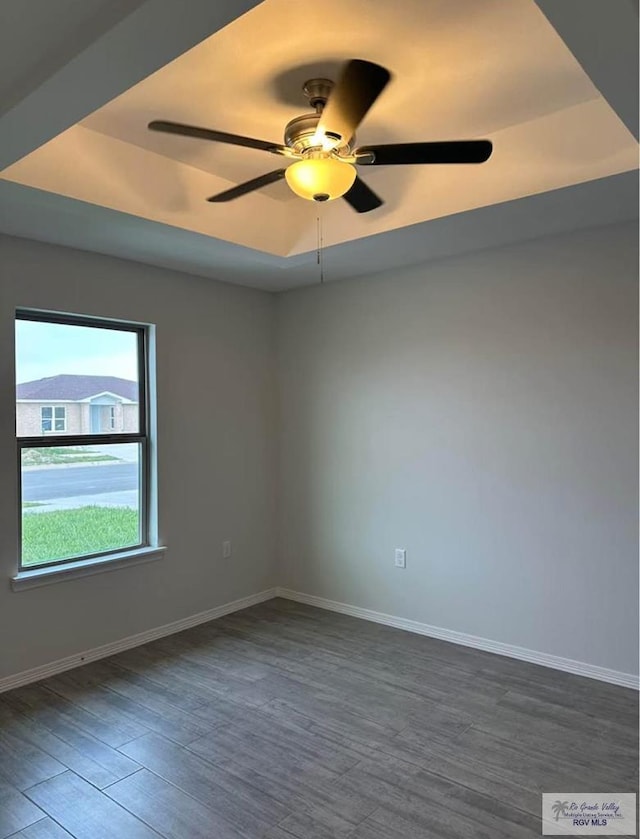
{"points": [[141, 437], [53, 419]]}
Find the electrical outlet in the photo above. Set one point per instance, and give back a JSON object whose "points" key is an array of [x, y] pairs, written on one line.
{"points": [[401, 558], [226, 549]]}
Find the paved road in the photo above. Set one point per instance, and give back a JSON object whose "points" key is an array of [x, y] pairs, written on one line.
{"points": [[46, 484]]}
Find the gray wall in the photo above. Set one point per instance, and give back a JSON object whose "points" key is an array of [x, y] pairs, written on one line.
{"points": [[216, 435], [481, 413]]}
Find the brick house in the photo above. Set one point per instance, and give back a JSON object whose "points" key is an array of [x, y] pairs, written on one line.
{"points": [[68, 404]]}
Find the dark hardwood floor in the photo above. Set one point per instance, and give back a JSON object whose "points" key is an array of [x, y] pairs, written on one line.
{"points": [[286, 721]]}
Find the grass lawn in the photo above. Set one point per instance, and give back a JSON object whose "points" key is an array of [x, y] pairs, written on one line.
{"points": [[86, 530], [61, 454]]}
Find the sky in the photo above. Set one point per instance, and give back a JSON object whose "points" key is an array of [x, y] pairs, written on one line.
{"points": [[49, 349]]}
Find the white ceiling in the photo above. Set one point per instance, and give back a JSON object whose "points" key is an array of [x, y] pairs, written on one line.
{"points": [[542, 86]]}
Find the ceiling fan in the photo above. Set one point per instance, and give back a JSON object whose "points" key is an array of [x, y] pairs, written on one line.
{"points": [[322, 143]]}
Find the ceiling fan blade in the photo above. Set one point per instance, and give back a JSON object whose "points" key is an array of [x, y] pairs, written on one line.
{"points": [[216, 136], [456, 151], [355, 92], [247, 186], [362, 198]]}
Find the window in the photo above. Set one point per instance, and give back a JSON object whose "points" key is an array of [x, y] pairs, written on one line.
{"points": [[81, 388], [53, 419]]}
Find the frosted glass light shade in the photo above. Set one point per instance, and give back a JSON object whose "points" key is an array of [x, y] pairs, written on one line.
{"points": [[320, 178]]}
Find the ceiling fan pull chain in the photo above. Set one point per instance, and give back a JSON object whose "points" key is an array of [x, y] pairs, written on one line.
{"points": [[319, 253]]}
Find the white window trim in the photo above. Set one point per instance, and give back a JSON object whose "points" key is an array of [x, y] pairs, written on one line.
{"points": [[53, 409], [84, 567]]}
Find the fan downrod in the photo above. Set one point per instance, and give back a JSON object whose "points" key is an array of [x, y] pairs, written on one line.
{"points": [[317, 92]]}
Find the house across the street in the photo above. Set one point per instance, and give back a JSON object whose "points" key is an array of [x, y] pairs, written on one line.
{"points": [[68, 404]]}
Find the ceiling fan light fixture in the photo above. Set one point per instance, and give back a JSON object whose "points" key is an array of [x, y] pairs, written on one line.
{"points": [[320, 178], [323, 142]]}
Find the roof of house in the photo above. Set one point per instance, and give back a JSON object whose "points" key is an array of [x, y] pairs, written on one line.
{"points": [[75, 388]]}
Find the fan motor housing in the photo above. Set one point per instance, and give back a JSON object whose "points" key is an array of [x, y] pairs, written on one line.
{"points": [[300, 135], [300, 132]]}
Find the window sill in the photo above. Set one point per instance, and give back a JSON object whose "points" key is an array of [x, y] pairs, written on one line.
{"points": [[84, 568]]}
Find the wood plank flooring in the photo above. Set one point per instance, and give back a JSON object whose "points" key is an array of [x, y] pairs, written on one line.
{"points": [[288, 722]]}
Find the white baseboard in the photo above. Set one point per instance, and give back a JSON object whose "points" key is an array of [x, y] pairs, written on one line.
{"points": [[568, 665], [62, 664]]}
